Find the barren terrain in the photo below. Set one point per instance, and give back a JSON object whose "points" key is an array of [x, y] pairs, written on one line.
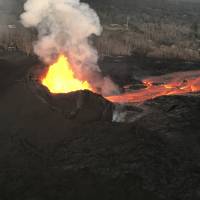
{"points": [[46, 155]]}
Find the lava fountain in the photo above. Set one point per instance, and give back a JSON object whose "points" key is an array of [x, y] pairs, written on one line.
{"points": [[60, 78]]}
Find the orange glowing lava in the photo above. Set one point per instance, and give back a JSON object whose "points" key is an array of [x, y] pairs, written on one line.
{"points": [[178, 83], [61, 79]]}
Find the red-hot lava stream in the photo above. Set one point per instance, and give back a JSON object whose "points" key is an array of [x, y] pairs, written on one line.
{"points": [[178, 83], [60, 78]]}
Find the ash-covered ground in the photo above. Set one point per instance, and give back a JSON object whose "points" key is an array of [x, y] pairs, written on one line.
{"points": [[68, 147]]}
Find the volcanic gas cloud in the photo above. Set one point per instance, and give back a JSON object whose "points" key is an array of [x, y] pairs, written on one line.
{"points": [[64, 28]]}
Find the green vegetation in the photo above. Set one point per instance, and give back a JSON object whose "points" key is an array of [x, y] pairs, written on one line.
{"points": [[153, 28]]}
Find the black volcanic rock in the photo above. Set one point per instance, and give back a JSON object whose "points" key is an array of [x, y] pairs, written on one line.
{"points": [[45, 155], [82, 106]]}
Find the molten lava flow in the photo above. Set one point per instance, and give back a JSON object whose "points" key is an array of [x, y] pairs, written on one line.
{"points": [[178, 83], [60, 78]]}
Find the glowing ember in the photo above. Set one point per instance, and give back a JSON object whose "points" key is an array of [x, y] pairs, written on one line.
{"points": [[61, 79], [178, 83], [147, 83]]}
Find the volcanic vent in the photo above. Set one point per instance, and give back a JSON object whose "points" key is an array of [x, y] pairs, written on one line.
{"points": [[64, 30]]}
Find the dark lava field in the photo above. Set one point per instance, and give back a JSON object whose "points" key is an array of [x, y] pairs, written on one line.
{"points": [[67, 147]]}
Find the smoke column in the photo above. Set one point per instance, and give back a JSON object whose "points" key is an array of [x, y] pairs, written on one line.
{"points": [[65, 26]]}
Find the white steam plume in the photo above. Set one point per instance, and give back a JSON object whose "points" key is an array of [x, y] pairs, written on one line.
{"points": [[64, 26]]}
